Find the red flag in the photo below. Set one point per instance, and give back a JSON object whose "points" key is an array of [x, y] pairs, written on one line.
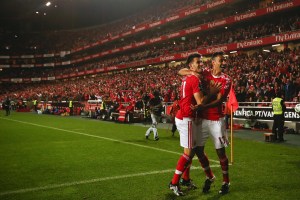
{"points": [[232, 101]]}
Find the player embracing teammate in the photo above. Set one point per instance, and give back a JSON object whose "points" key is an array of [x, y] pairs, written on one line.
{"points": [[201, 115]]}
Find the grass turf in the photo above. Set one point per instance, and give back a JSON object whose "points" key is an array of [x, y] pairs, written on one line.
{"points": [[111, 161]]}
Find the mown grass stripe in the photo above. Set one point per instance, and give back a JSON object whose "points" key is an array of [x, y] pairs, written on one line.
{"points": [[55, 186], [100, 137]]}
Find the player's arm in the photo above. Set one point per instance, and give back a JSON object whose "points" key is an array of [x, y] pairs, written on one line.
{"points": [[220, 97], [219, 100], [204, 102], [198, 97], [186, 72], [213, 94], [213, 89]]}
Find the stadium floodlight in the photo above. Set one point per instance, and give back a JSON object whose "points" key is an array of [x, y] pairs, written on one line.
{"points": [[232, 51], [275, 45], [266, 50], [48, 3]]}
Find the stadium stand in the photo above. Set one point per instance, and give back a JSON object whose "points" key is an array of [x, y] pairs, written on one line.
{"points": [[257, 74]]}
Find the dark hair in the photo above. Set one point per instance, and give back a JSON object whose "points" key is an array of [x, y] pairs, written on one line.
{"points": [[191, 57], [216, 54]]}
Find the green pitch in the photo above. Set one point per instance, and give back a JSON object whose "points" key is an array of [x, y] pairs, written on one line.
{"points": [[51, 157]]}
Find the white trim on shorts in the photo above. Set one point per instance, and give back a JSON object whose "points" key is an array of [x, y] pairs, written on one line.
{"points": [[189, 131]]}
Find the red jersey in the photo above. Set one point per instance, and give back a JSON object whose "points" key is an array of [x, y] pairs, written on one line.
{"points": [[189, 86], [215, 113]]}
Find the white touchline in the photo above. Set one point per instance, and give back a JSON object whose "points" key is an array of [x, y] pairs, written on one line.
{"points": [[54, 186], [96, 136]]}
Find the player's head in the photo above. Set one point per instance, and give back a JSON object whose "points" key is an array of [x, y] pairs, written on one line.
{"points": [[194, 61], [218, 60]]}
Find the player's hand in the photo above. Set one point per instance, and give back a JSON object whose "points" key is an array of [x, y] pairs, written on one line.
{"points": [[214, 88], [198, 107]]}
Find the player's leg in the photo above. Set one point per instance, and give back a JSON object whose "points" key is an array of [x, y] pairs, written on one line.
{"points": [[155, 120], [185, 131], [148, 132], [219, 136], [185, 179], [203, 159], [152, 127], [182, 164], [202, 136], [225, 166]]}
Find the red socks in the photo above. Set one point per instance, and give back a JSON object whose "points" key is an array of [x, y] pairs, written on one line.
{"points": [[224, 166], [186, 173], [182, 164]]}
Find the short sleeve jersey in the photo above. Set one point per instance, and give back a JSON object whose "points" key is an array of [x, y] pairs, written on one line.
{"points": [[189, 86], [215, 113]]}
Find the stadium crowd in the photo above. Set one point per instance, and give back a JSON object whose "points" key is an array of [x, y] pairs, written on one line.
{"points": [[256, 77], [56, 41], [287, 22], [194, 42], [66, 40]]}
